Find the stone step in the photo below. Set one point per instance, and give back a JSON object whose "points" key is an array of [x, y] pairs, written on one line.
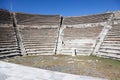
{"points": [[8, 39], [79, 48], [110, 52], [8, 52], [110, 49], [110, 45], [81, 37], [114, 30], [36, 33], [112, 37], [39, 36], [112, 42], [40, 52], [77, 45], [40, 49], [10, 55], [112, 56], [37, 47], [70, 52], [113, 34], [8, 43], [8, 46], [40, 41], [77, 35], [8, 49], [7, 33]]}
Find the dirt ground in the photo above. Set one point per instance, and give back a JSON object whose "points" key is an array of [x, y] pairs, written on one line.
{"points": [[80, 65]]}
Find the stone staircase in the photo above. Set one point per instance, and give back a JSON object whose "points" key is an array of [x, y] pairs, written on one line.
{"points": [[110, 48]]}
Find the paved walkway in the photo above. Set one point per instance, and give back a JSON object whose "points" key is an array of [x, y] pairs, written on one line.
{"points": [[10, 71]]}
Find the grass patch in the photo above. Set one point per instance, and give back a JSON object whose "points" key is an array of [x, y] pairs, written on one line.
{"points": [[80, 65]]}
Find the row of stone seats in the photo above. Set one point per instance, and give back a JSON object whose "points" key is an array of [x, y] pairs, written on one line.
{"points": [[5, 17], [39, 41], [8, 42], [80, 40], [30, 19], [87, 19], [111, 46]]}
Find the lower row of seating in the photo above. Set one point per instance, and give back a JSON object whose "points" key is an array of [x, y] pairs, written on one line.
{"points": [[111, 46], [8, 42], [39, 41], [80, 40]]}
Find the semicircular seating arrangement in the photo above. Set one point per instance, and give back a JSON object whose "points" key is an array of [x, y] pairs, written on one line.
{"points": [[51, 34]]}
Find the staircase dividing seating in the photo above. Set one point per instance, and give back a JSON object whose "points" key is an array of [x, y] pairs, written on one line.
{"points": [[87, 19], [110, 48], [8, 42], [80, 40], [39, 34]]}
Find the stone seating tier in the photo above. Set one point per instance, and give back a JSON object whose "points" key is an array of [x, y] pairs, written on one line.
{"points": [[110, 48], [87, 19], [31, 19], [8, 42], [5, 17], [39, 41]]}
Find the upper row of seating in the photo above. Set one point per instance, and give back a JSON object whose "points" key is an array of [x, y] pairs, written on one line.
{"points": [[35, 19], [32, 19], [87, 19], [5, 17]]}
